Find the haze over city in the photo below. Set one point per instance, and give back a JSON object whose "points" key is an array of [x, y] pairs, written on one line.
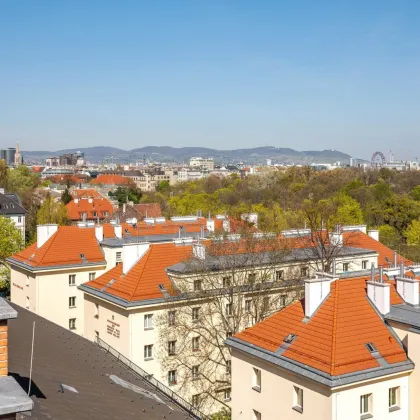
{"points": [[301, 74]]}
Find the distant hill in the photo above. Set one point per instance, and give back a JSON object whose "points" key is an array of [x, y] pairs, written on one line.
{"points": [[254, 155]]}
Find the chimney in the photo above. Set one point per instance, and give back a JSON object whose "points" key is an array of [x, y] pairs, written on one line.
{"points": [[374, 234], [124, 209], [90, 200], [132, 253], [43, 233], [118, 231], [210, 225], [99, 232], [76, 201], [336, 237], [379, 292], [7, 312], [316, 290], [408, 288]]}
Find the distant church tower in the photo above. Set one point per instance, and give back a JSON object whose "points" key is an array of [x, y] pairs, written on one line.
{"points": [[18, 156]]}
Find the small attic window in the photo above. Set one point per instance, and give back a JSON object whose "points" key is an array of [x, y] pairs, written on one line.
{"points": [[82, 255], [111, 282], [371, 347], [289, 338], [161, 287]]}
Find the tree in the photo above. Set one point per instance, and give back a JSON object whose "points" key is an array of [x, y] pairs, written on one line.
{"points": [[238, 283], [22, 179], [66, 197], [163, 186], [125, 194], [52, 212], [10, 242], [413, 233]]}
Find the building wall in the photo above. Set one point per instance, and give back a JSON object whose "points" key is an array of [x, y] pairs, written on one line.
{"points": [[23, 289], [411, 341], [275, 401]]}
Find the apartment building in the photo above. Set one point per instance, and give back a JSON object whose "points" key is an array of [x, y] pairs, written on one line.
{"points": [[11, 207], [89, 209], [200, 162], [347, 351], [131, 306], [13, 399]]}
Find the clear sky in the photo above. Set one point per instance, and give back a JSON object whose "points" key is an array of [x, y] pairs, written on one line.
{"points": [[305, 74]]}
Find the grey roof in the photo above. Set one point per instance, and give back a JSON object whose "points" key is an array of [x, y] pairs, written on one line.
{"points": [[63, 359], [214, 263], [316, 374], [13, 399], [11, 204], [6, 311], [406, 314]]}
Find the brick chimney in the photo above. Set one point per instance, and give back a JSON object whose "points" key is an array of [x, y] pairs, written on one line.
{"points": [[6, 313]]}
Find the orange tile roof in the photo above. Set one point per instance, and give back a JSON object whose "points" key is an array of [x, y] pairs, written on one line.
{"points": [[111, 180], [86, 193], [63, 248], [142, 281], [101, 206], [334, 339], [148, 209], [63, 179]]}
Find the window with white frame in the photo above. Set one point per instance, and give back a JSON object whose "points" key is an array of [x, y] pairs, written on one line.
{"points": [[171, 347], [365, 265], [172, 377], [228, 309], [298, 399], [148, 352], [365, 404], [72, 301], [256, 379], [19, 219], [195, 372], [394, 398], [251, 278], [304, 271], [148, 321], [72, 323], [92, 276], [346, 266], [196, 343], [228, 367], [171, 318], [248, 304], [195, 400], [72, 279], [197, 285], [279, 275], [256, 415], [227, 394], [265, 304], [227, 281], [283, 300], [195, 314]]}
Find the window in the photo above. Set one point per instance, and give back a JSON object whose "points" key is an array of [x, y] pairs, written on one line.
{"points": [[229, 334], [279, 275], [283, 300], [171, 318], [394, 398], [27, 302], [365, 404], [171, 347], [265, 304], [297, 399], [148, 352], [256, 380], [196, 343], [27, 281], [195, 314], [226, 394], [118, 256], [228, 367], [148, 321], [72, 302], [365, 265], [96, 310], [256, 415], [172, 377], [19, 219], [304, 271], [92, 276], [95, 214], [228, 309], [195, 372], [72, 323], [251, 278], [105, 213], [227, 281], [345, 266], [72, 279], [248, 303], [195, 400], [197, 285]]}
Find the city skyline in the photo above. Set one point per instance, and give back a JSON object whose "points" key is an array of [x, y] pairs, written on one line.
{"points": [[225, 76]]}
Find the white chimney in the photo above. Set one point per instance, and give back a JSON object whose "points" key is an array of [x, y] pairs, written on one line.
{"points": [[374, 234], [118, 231], [43, 233], [90, 200], [379, 292], [76, 201], [408, 289], [210, 225], [316, 290], [99, 232], [336, 239], [132, 253]]}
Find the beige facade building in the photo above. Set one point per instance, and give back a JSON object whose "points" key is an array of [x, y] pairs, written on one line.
{"points": [[204, 163]]}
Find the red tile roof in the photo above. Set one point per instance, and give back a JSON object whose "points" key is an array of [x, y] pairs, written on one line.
{"points": [[148, 209], [142, 281], [63, 179], [334, 340], [101, 206], [111, 180], [63, 248], [86, 193]]}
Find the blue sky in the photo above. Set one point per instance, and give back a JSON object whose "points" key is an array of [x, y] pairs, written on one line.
{"points": [[305, 74]]}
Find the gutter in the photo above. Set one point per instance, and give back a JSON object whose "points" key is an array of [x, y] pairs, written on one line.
{"points": [[33, 269]]}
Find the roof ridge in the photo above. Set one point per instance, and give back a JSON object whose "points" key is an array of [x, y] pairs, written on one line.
{"points": [[148, 252], [334, 330]]}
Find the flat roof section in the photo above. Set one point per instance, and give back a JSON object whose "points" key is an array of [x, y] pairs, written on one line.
{"points": [[62, 360]]}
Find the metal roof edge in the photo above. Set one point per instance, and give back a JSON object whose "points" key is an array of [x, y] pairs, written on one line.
{"points": [[21, 264]]}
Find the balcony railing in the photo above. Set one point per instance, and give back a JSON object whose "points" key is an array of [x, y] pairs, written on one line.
{"points": [[159, 386]]}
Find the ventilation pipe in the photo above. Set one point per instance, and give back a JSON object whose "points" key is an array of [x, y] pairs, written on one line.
{"points": [[379, 291], [43, 233], [132, 253]]}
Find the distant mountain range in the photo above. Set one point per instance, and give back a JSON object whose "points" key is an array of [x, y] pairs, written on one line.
{"points": [[254, 155]]}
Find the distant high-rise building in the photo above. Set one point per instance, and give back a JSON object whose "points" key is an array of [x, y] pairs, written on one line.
{"points": [[8, 155], [18, 156]]}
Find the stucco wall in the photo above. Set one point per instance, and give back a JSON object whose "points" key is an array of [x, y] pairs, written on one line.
{"points": [[22, 286]]}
